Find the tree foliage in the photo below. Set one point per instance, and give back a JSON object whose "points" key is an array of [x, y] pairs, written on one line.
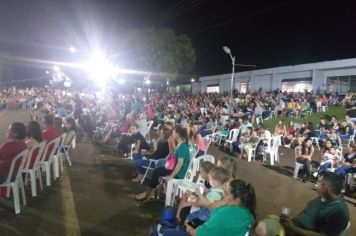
{"points": [[160, 51]]}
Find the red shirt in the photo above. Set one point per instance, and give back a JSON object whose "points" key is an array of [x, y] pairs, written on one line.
{"points": [[8, 151], [50, 134]]}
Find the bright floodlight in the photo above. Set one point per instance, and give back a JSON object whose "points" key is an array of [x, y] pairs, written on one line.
{"points": [[193, 80], [72, 49], [227, 50], [47, 72], [147, 81], [100, 69], [56, 68]]}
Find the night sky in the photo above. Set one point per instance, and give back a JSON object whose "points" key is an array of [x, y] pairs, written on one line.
{"points": [[267, 33]]}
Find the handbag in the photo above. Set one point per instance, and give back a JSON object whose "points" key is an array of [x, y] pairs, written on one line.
{"points": [[171, 162]]}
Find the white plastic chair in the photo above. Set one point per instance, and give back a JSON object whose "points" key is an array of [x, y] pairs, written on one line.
{"points": [[188, 183], [351, 139], [316, 139], [48, 159], [66, 147], [57, 156], [272, 150], [32, 167], [251, 152], [203, 111], [207, 144], [180, 186], [324, 108], [15, 181], [259, 120], [232, 138]]}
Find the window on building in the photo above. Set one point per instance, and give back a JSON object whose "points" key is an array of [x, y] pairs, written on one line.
{"points": [[341, 84], [244, 87], [213, 88], [297, 85]]}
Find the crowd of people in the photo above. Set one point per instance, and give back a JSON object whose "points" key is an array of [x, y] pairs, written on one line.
{"points": [[226, 204]]}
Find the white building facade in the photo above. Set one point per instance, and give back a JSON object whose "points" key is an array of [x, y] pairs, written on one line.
{"points": [[333, 76]]}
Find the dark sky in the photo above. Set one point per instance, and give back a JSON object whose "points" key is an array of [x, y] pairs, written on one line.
{"points": [[267, 33]]}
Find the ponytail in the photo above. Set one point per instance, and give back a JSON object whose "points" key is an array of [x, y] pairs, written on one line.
{"points": [[246, 193]]}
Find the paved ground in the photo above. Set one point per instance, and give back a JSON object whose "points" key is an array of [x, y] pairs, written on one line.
{"points": [[95, 195]]}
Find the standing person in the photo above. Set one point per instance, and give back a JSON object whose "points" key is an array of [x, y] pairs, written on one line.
{"points": [[181, 152], [14, 145]]}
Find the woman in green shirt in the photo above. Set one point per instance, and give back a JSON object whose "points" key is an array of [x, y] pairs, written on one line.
{"points": [[181, 152], [233, 219]]}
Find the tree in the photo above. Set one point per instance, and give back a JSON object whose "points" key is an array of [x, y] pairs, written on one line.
{"points": [[159, 51]]}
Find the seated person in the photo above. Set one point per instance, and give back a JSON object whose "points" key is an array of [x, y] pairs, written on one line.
{"points": [[330, 159], [184, 207], [178, 171], [14, 145], [325, 215], [248, 144], [161, 151], [198, 140], [304, 154], [348, 164], [233, 218], [139, 142]]}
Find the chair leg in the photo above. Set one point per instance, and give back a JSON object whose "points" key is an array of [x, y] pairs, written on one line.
{"points": [[33, 183], [61, 167], [39, 176], [15, 191], [48, 173], [68, 157], [23, 193], [55, 166]]}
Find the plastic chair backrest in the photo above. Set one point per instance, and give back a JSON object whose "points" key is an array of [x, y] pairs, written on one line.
{"points": [[34, 155], [275, 142], [233, 134], [209, 158], [195, 164], [50, 149], [207, 143], [16, 166]]}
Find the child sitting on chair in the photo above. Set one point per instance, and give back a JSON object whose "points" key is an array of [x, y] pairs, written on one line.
{"points": [[199, 215], [204, 169]]}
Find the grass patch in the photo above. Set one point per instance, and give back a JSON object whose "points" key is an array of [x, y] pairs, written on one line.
{"points": [[338, 111]]}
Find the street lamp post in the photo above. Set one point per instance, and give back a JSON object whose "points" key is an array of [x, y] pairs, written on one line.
{"points": [[228, 51]]}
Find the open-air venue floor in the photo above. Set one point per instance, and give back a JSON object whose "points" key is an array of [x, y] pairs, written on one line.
{"points": [[96, 196]]}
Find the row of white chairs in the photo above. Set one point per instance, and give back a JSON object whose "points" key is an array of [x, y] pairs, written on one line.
{"points": [[30, 163]]}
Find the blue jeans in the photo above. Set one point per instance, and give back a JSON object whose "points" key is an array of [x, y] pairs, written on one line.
{"points": [[202, 214], [140, 163], [175, 232], [324, 167]]}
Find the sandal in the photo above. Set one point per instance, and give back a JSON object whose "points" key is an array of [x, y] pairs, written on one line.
{"points": [[141, 196], [137, 179]]}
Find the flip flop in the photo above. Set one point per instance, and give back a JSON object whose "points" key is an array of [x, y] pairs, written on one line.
{"points": [[141, 196]]}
